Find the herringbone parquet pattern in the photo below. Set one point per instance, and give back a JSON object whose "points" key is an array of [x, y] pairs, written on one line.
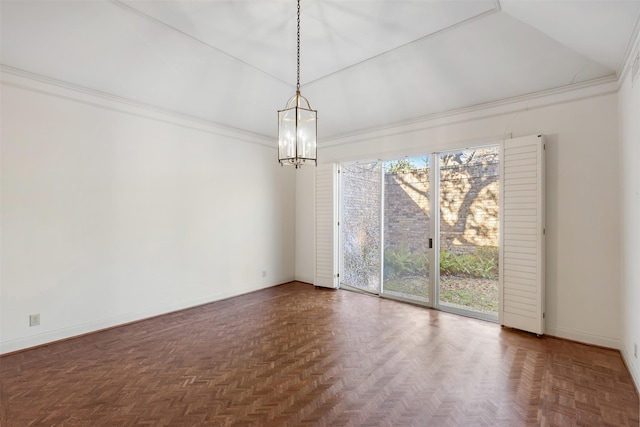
{"points": [[298, 356]]}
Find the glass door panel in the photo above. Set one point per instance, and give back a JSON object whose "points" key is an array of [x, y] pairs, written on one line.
{"points": [[468, 253], [360, 226], [406, 229]]}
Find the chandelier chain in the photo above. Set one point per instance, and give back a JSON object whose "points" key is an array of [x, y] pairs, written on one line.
{"points": [[297, 125], [298, 70]]}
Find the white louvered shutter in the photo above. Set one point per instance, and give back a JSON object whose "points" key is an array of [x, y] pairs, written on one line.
{"points": [[326, 274], [523, 240]]}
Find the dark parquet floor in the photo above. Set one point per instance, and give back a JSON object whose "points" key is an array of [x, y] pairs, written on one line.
{"points": [[294, 355]]}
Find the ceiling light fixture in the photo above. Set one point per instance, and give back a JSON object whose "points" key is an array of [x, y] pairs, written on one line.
{"points": [[297, 126]]}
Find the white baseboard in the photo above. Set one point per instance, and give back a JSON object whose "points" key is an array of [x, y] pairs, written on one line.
{"points": [[304, 279], [85, 328], [583, 337], [632, 367]]}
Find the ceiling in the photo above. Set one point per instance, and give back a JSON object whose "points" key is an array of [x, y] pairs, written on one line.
{"points": [[364, 63]]}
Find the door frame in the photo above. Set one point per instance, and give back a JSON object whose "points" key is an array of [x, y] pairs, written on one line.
{"points": [[436, 245], [434, 231]]}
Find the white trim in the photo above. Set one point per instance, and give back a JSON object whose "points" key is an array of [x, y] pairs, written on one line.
{"points": [[592, 88], [52, 336], [304, 279], [501, 233], [326, 230], [434, 229], [583, 337], [382, 229], [631, 367], [38, 83], [632, 47], [417, 151]]}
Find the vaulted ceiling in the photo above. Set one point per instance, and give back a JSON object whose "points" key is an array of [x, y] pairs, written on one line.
{"points": [[364, 63]]}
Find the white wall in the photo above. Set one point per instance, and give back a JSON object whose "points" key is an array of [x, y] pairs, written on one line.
{"points": [[630, 214], [305, 223], [582, 264], [112, 212]]}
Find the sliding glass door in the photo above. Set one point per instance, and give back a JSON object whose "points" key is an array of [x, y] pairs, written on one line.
{"points": [[468, 184], [407, 229], [360, 232], [424, 229]]}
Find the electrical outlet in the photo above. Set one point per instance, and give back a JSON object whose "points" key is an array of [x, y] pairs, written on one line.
{"points": [[635, 350], [264, 273], [34, 319]]}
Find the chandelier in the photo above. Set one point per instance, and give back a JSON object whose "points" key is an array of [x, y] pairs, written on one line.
{"points": [[297, 126]]}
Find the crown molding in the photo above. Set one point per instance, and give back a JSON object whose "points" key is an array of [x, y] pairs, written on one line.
{"points": [[632, 47], [596, 87], [38, 83], [64, 90]]}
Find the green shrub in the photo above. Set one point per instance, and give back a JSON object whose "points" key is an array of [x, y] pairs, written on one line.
{"points": [[401, 261], [481, 263]]}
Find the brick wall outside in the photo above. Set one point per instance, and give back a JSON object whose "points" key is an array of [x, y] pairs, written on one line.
{"points": [[468, 203], [406, 208]]}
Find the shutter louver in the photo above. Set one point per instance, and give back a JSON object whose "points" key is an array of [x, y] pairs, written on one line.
{"points": [[326, 233], [523, 240]]}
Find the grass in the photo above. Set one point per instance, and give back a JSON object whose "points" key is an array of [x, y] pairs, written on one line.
{"points": [[468, 279], [474, 293]]}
